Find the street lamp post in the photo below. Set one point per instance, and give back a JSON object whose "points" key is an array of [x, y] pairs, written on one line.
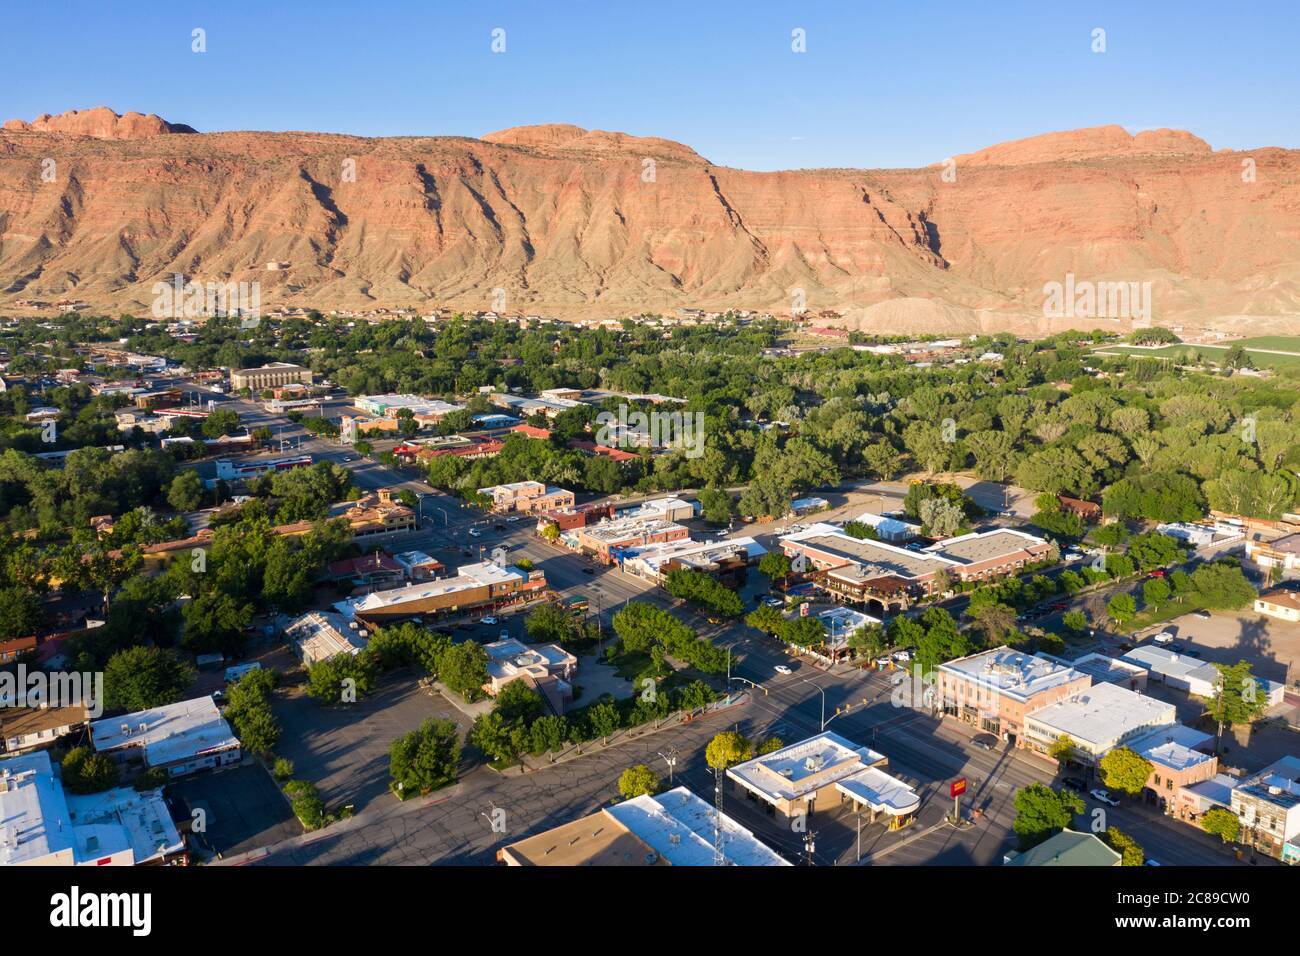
{"points": [[823, 693], [670, 758]]}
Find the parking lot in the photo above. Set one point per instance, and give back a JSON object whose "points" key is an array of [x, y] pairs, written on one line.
{"points": [[1271, 646], [242, 809], [343, 749]]}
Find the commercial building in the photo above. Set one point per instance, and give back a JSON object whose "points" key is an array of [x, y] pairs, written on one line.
{"points": [[1189, 674], [607, 539], [528, 407], [1268, 805], [269, 376], [722, 559], [246, 470], [676, 828], [547, 668], [878, 573], [42, 825], [418, 566], [1104, 669], [995, 690], [671, 508], [1098, 719], [474, 587], [180, 738], [1067, 848], [1179, 761], [320, 635], [1284, 553], [528, 497], [388, 406], [822, 773], [1279, 603]]}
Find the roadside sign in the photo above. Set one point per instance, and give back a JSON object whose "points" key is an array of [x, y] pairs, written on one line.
{"points": [[957, 788]]}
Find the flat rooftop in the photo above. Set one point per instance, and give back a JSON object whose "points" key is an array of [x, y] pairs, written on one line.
{"points": [[976, 547], [804, 767], [1011, 672], [467, 576], [679, 827], [167, 733], [874, 558], [1104, 669], [1171, 663], [1104, 714], [670, 829]]}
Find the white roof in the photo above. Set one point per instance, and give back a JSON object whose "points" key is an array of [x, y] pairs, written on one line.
{"points": [[1011, 672], [321, 635], [887, 525], [168, 733], [1170, 663], [34, 819], [38, 819], [1104, 715], [1172, 746], [467, 576], [701, 553], [802, 767], [679, 827], [881, 792]]}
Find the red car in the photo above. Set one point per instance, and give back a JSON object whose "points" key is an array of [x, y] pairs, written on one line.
{"points": [[1156, 574]]}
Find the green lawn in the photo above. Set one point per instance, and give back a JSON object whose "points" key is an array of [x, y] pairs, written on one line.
{"points": [[1210, 353]]}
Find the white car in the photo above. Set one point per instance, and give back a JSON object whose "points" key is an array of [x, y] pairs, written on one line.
{"points": [[512, 519], [475, 533], [1103, 796], [902, 655], [489, 620], [782, 669]]}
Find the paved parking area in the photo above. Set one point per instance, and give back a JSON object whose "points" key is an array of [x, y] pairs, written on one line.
{"points": [[242, 806], [1271, 646], [343, 749]]}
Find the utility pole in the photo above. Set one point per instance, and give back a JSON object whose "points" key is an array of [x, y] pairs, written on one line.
{"points": [[810, 845]]}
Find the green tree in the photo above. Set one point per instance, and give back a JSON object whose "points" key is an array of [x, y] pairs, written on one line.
{"points": [[1062, 748], [727, 749], [1130, 850], [1125, 771], [186, 491], [1238, 696], [1223, 823], [637, 781], [1122, 608], [425, 759], [139, 678], [463, 669], [85, 771], [1042, 812], [775, 565]]}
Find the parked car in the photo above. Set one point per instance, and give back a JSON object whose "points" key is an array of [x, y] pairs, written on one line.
{"points": [[1150, 862], [902, 655], [588, 570], [1203, 615], [1157, 573], [985, 741], [504, 635], [489, 620], [513, 518], [782, 669], [716, 621], [1075, 783], [475, 533], [773, 602], [1103, 796], [1164, 637]]}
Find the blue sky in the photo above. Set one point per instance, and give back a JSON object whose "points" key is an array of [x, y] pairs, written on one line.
{"points": [[883, 82]]}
